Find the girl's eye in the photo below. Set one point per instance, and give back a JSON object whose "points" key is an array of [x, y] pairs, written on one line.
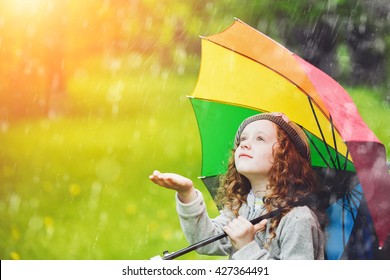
{"points": [[259, 138], [242, 139]]}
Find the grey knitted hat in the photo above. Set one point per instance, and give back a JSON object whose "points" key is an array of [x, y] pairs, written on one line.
{"points": [[296, 134]]}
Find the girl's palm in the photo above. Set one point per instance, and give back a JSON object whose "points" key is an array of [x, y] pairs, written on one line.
{"points": [[172, 181]]}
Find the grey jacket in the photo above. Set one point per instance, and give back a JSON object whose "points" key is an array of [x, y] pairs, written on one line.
{"points": [[298, 235]]}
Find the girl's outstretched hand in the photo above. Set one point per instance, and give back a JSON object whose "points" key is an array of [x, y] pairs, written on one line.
{"points": [[183, 186]]}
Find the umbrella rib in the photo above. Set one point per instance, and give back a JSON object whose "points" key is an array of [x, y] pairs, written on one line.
{"points": [[317, 149], [260, 110], [342, 204], [353, 197], [356, 192], [343, 223], [321, 132], [354, 204], [351, 194], [346, 160], [334, 142], [350, 204]]}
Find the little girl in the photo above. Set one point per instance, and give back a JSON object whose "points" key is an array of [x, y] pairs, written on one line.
{"points": [[270, 168]]}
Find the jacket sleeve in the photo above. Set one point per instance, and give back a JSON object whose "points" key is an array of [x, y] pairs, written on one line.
{"points": [[251, 251], [197, 226]]}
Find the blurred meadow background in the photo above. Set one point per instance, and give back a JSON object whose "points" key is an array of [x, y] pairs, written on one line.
{"points": [[93, 99]]}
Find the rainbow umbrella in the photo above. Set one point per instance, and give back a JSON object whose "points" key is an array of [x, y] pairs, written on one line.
{"points": [[242, 73]]}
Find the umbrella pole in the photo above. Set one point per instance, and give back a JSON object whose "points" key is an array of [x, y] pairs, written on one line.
{"points": [[174, 255]]}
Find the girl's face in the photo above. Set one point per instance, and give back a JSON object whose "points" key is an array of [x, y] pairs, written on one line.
{"points": [[253, 156]]}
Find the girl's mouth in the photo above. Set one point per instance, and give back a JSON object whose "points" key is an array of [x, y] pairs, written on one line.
{"points": [[245, 155]]}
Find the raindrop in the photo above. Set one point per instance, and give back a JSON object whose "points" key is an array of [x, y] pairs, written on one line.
{"points": [[36, 179], [96, 239], [181, 69], [31, 31], [95, 194], [114, 96], [65, 177], [152, 123], [155, 69], [34, 203], [3, 206], [136, 135], [108, 169], [58, 138], [135, 60], [114, 64], [148, 23], [35, 223], [49, 224], [165, 75], [14, 204], [103, 219]]}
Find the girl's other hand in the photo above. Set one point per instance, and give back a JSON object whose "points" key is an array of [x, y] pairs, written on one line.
{"points": [[183, 186], [241, 231]]}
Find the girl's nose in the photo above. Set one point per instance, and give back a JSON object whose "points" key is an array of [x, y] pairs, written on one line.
{"points": [[245, 145]]}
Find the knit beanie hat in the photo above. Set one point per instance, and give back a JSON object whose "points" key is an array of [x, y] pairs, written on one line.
{"points": [[296, 134]]}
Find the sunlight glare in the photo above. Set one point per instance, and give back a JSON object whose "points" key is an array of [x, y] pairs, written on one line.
{"points": [[33, 7]]}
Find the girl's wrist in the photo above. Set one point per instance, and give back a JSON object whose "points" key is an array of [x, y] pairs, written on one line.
{"points": [[188, 196]]}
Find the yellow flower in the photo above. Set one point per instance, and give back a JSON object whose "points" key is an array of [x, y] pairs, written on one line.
{"points": [[74, 190], [15, 256], [48, 221], [152, 226], [131, 209], [49, 225], [166, 234], [161, 214], [15, 233]]}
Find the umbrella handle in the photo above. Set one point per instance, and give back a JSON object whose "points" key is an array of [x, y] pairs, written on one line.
{"points": [[174, 255]]}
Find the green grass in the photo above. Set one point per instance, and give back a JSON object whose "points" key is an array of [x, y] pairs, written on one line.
{"points": [[77, 187]]}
